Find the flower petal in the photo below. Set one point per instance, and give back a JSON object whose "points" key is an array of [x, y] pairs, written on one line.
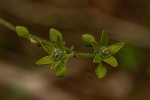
{"points": [[59, 43], [115, 47], [97, 58], [104, 39], [101, 71], [111, 60], [45, 60], [95, 46], [55, 64], [61, 70], [47, 47], [54, 34]]}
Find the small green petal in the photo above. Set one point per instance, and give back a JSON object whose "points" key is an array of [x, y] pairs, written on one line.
{"points": [[115, 47], [101, 71], [97, 58], [55, 64], [104, 39], [54, 34], [95, 46], [45, 60], [59, 43], [111, 60], [61, 70], [47, 47]]}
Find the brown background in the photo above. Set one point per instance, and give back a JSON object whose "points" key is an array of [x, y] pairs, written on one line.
{"points": [[124, 20]]}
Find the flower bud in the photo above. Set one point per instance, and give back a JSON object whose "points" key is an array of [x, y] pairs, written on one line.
{"points": [[86, 38], [22, 31]]}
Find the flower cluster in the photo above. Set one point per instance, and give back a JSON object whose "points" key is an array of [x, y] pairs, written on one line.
{"points": [[58, 53]]}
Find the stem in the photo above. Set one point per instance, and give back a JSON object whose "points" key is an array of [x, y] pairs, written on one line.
{"points": [[7, 24], [30, 36], [71, 55], [85, 55], [38, 40]]}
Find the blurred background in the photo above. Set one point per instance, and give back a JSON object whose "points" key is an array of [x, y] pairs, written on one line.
{"points": [[124, 20]]}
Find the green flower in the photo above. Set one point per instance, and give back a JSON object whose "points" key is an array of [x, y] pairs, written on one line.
{"points": [[104, 52], [57, 55]]}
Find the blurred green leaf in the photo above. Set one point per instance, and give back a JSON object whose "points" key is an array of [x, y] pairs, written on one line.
{"points": [[47, 47], [130, 58], [115, 47], [101, 71], [111, 60], [22, 31], [95, 46], [45, 60], [14, 94], [86, 38], [104, 39], [61, 70], [54, 34], [59, 43], [97, 58]]}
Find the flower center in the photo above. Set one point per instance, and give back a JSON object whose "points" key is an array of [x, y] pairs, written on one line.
{"points": [[104, 52], [57, 54]]}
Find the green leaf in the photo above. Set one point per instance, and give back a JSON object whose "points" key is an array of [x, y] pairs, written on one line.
{"points": [[47, 47], [115, 47], [104, 39], [95, 46], [45, 60], [22, 31], [101, 71], [111, 60], [54, 34], [59, 43], [86, 38], [61, 70], [97, 58], [55, 64]]}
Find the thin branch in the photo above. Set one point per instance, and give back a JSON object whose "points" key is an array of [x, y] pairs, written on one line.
{"points": [[7, 24], [30, 37]]}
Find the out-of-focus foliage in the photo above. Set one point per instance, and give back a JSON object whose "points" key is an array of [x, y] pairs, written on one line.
{"points": [[130, 58], [14, 94]]}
